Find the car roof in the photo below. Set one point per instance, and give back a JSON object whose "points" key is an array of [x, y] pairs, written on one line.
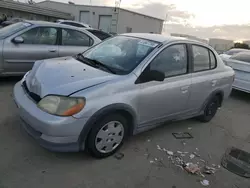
{"points": [[51, 24], [158, 37]]}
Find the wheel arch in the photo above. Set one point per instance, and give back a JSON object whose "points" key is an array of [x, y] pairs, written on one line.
{"points": [[123, 109], [219, 93]]}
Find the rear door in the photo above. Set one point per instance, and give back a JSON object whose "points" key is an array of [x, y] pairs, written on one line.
{"points": [[204, 76], [74, 42], [38, 43]]}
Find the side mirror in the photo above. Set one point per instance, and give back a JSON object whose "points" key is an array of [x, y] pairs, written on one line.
{"points": [[151, 75], [18, 40]]}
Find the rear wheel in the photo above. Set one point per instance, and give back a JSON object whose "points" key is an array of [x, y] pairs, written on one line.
{"points": [[210, 109], [107, 136]]}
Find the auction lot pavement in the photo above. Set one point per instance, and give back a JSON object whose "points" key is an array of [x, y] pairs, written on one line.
{"points": [[24, 164]]}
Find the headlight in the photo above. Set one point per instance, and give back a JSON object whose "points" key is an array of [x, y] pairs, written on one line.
{"points": [[61, 106], [24, 77]]}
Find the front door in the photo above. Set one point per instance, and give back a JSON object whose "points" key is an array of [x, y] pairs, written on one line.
{"points": [[38, 43], [74, 42], [160, 101]]}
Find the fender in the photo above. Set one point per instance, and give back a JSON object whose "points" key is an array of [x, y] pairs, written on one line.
{"points": [[102, 112]]}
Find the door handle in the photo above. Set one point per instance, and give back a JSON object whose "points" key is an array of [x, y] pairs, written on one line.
{"points": [[214, 82], [52, 50], [184, 89]]}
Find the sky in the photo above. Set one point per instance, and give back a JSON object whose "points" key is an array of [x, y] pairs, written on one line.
{"points": [[202, 18]]}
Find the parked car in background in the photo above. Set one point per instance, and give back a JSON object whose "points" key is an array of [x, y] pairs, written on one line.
{"points": [[11, 21], [98, 33], [240, 62], [125, 85], [231, 52], [23, 43], [73, 23]]}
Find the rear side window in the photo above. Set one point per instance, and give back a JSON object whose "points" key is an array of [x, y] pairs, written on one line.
{"points": [[242, 57], [73, 24], [101, 35], [203, 59], [75, 38]]}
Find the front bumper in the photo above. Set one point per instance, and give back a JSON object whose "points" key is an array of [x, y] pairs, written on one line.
{"points": [[54, 133]]}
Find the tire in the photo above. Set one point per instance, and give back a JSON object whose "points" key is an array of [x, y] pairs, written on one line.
{"points": [[210, 109], [107, 135]]}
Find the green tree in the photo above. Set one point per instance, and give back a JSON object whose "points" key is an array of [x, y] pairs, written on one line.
{"points": [[241, 45]]}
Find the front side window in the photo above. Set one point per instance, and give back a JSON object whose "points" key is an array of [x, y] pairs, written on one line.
{"points": [[40, 35], [243, 56], [75, 38], [121, 53], [203, 58], [172, 60]]}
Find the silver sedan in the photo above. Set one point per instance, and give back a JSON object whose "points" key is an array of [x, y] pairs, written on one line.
{"points": [[23, 43], [125, 85]]}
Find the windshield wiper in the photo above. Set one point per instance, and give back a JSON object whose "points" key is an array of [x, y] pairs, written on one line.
{"points": [[95, 62], [81, 58]]}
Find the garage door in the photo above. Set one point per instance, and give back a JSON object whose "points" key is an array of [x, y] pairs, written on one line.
{"points": [[105, 23], [84, 17]]}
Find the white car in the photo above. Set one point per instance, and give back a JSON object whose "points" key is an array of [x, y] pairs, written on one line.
{"points": [[231, 52]]}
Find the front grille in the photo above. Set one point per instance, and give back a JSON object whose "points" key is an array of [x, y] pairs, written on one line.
{"points": [[34, 96]]}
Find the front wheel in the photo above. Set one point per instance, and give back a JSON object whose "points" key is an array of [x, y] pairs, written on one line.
{"points": [[107, 136], [210, 109]]}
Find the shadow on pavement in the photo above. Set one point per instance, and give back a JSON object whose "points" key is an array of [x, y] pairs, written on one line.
{"points": [[240, 95], [9, 80]]}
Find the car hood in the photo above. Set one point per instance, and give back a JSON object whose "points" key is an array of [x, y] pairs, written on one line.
{"points": [[64, 76]]}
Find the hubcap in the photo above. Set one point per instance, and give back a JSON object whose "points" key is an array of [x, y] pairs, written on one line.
{"points": [[109, 137]]}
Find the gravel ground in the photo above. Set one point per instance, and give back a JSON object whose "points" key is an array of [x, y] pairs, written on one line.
{"points": [[24, 164]]}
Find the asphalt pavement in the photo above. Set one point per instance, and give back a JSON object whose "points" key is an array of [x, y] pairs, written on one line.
{"points": [[24, 164]]}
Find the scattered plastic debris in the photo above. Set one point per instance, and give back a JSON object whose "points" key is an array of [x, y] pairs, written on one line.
{"points": [[183, 155], [151, 161], [182, 135], [192, 168], [148, 140], [205, 182], [170, 152], [180, 152], [119, 156], [189, 128], [191, 156], [202, 160], [158, 147], [184, 143], [196, 154], [197, 149]]}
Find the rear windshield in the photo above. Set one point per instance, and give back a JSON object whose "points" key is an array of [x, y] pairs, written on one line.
{"points": [[12, 29]]}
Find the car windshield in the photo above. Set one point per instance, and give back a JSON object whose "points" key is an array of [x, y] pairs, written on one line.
{"points": [[12, 29], [121, 53]]}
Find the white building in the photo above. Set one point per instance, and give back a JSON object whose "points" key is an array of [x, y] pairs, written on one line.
{"points": [[109, 19], [221, 45]]}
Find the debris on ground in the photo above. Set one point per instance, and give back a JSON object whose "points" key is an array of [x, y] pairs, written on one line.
{"points": [[119, 156], [183, 142], [182, 135], [189, 128], [196, 154], [205, 182], [191, 156], [170, 152], [192, 168], [148, 140], [158, 147]]}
